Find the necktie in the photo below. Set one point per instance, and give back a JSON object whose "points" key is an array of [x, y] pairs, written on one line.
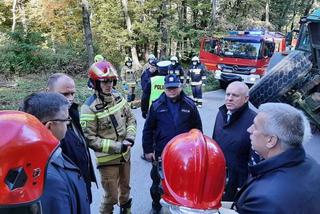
{"points": [[228, 116]]}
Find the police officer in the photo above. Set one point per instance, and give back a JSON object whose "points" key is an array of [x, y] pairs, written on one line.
{"points": [[196, 76], [171, 114], [129, 79], [110, 129], [176, 68], [151, 58]]}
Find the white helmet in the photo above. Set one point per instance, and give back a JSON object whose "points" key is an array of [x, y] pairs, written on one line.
{"points": [[151, 56], [195, 59], [174, 58]]}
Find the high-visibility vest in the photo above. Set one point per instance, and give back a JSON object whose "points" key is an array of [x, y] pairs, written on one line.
{"points": [[157, 88]]}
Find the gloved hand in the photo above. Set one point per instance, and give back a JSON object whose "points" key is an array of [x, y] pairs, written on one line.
{"points": [[144, 115]]}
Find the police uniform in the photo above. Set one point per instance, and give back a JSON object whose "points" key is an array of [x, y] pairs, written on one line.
{"points": [[166, 120], [106, 124], [196, 76], [129, 77]]}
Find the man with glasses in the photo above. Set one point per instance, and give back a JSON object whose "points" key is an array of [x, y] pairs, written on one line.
{"points": [[73, 144], [65, 189]]}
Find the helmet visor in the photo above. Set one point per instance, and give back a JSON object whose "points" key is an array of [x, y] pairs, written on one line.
{"points": [[33, 208]]}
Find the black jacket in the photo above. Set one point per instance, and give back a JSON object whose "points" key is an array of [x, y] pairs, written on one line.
{"points": [[75, 148], [160, 126], [284, 184]]}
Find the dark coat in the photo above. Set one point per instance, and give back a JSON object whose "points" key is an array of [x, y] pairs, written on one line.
{"points": [[65, 190], [234, 141], [74, 147], [160, 126], [146, 90], [233, 137], [285, 184]]}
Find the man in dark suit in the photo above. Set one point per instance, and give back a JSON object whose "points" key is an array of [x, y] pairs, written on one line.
{"points": [[230, 132]]}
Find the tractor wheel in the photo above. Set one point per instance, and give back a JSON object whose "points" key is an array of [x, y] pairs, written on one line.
{"points": [[281, 78]]}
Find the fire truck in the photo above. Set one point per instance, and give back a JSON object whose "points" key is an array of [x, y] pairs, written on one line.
{"points": [[241, 55]]}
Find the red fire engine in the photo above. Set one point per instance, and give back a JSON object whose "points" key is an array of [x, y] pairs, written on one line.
{"points": [[242, 55]]}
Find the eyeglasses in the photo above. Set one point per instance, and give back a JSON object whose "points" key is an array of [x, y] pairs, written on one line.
{"points": [[66, 94], [59, 120]]}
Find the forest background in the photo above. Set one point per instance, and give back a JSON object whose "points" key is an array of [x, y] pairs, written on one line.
{"points": [[46, 36]]}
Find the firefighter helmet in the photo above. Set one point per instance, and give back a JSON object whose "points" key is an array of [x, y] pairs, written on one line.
{"points": [[151, 57], [127, 59], [195, 59], [25, 150], [174, 58], [194, 171], [98, 58], [100, 71]]}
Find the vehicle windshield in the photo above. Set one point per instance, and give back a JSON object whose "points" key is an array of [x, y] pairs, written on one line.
{"points": [[304, 40], [240, 49]]}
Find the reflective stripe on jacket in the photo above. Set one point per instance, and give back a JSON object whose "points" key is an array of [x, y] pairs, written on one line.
{"points": [[106, 125]]}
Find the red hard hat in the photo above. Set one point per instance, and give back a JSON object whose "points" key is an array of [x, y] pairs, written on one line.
{"points": [[102, 70], [25, 148], [194, 171]]}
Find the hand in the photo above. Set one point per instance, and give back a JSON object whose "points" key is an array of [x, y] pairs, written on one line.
{"points": [[126, 146], [150, 156]]}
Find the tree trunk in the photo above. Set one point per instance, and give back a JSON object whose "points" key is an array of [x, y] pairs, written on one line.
{"points": [[133, 49], [22, 12], [267, 12], [87, 30], [164, 31], [214, 12], [14, 15]]}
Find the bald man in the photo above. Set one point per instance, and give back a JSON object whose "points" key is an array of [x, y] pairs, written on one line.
{"points": [[73, 144], [230, 132]]}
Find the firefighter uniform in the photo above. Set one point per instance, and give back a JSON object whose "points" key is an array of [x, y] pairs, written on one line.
{"points": [[129, 78], [196, 76], [106, 124], [177, 70]]}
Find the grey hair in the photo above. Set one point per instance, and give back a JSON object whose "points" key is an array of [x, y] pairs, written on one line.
{"points": [[289, 124], [242, 86], [54, 78], [44, 105]]}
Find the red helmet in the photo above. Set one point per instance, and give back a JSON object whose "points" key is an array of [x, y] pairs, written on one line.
{"points": [[99, 71], [25, 148], [194, 172], [102, 70]]}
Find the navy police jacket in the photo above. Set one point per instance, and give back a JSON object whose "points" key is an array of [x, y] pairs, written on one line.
{"points": [[160, 126], [284, 184], [65, 190]]}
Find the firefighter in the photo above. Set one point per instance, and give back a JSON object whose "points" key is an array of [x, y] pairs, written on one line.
{"points": [[196, 76], [129, 80], [25, 150], [193, 175], [176, 68], [110, 128]]}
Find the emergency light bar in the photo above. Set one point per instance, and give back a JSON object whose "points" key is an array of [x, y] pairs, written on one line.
{"points": [[254, 33]]}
